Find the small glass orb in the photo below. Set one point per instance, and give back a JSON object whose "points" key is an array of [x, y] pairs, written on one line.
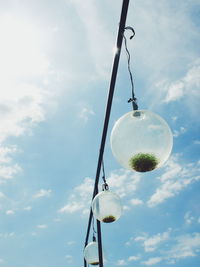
{"points": [[106, 207], [91, 253], [141, 140]]}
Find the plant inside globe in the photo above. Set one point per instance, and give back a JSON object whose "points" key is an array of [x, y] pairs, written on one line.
{"points": [[109, 219], [94, 263], [143, 162]]}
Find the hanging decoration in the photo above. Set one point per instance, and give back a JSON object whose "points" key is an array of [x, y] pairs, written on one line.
{"points": [[106, 206], [140, 140], [91, 253]]}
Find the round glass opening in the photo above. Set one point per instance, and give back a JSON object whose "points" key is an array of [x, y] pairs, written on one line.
{"points": [[91, 253], [106, 207], [141, 140]]}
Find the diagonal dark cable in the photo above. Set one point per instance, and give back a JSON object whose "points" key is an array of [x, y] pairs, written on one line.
{"points": [[133, 99], [103, 170], [94, 231], [105, 185]]}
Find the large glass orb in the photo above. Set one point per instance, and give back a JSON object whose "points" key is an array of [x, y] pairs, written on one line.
{"points": [[106, 207], [91, 253], [141, 140]]}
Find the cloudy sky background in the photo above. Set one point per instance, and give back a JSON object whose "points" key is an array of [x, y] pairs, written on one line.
{"points": [[55, 62]]}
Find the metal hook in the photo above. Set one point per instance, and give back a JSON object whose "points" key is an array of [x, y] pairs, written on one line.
{"points": [[133, 31], [105, 187]]}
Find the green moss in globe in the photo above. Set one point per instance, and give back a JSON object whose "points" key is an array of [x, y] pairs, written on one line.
{"points": [[109, 219], [143, 162]]}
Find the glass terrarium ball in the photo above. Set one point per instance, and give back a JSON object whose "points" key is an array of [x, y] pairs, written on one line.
{"points": [[141, 140], [106, 206], [91, 254]]}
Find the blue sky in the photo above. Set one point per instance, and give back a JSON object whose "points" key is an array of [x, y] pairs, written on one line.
{"points": [[55, 62]]}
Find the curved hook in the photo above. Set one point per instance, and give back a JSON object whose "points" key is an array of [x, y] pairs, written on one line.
{"points": [[105, 187], [133, 31]]}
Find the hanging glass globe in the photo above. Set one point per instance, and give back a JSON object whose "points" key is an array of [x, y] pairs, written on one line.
{"points": [[141, 140], [91, 253], [106, 207]]}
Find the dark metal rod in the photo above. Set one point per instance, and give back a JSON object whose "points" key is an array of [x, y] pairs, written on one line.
{"points": [[88, 233], [119, 41], [99, 239]]}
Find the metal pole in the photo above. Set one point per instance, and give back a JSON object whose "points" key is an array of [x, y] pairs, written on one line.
{"points": [[119, 41]]}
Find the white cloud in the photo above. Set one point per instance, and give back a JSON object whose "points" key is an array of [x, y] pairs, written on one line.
{"points": [[121, 262], [5, 153], [7, 168], [21, 48], [188, 218], [28, 208], [80, 198], [187, 86], [150, 244], [2, 195], [157, 56], [21, 101], [136, 201], [175, 91], [85, 113], [23, 97], [140, 238], [7, 172], [170, 246], [172, 169], [152, 261], [186, 90], [21, 109], [197, 142], [69, 258], [33, 233], [42, 193], [134, 258], [71, 207], [187, 245], [70, 243], [177, 133], [123, 182], [42, 226], [174, 118], [7, 235], [10, 212], [176, 177], [57, 220], [125, 207]]}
